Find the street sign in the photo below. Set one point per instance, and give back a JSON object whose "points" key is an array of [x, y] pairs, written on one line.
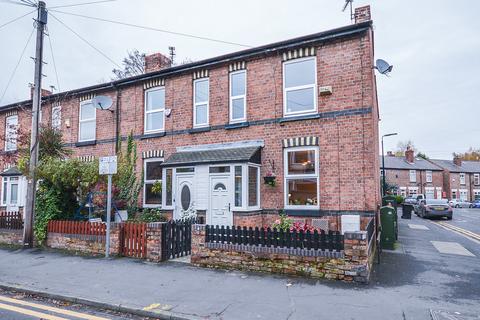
{"points": [[108, 165]]}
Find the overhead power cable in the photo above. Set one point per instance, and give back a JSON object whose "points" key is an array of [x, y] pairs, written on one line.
{"points": [[80, 4], [85, 40], [22, 3], [18, 18], [16, 66], [154, 29], [53, 59]]}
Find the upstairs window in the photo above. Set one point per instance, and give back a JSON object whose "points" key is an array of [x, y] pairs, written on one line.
{"points": [[200, 102], [476, 179], [299, 86], [238, 96], [413, 176], [88, 119], [57, 118], [462, 178], [11, 133], [301, 177], [155, 110], [429, 176]]}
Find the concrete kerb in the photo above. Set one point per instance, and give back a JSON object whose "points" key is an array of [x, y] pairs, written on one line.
{"points": [[160, 314]]}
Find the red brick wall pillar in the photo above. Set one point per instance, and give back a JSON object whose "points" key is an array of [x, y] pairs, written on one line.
{"points": [[198, 242], [115, 239], [154, 241], [356, 256]]}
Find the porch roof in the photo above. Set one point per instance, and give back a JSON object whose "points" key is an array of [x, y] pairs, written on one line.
{"points": [[186, 158], [11, 172]]}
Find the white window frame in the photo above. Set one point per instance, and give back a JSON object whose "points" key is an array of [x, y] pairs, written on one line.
{"points": [[164, 188], [476, 179], [146, 113], [429, 176], [403, 191], [245, 194], [287, 177], [462, 178], [413, 174], [314, 86], [80, 121], [57, 126], [8, 191], [244, 97], [145, 181], [461, 193], [195, 104], [415, 189], [11, 134]]}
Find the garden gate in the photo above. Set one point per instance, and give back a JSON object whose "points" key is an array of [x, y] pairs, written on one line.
{"points": [[176, 238], [133, 239]]}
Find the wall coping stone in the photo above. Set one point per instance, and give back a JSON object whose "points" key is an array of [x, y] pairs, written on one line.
{"points": [[358, 235]]}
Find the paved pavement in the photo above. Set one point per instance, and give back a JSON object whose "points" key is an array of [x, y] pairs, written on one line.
{"points": [[408, 283]]}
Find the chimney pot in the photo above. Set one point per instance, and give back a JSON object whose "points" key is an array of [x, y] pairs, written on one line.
{"points": [[362, 14], [409, 155], [156, 62]]}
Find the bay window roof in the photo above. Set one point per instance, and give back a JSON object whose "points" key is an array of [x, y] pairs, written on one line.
{"points": [[244, 154]]}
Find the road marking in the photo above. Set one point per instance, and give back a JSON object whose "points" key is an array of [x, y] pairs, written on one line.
{"points": [[51, 309], [28, 312], [465, 232], [418, 226], [451, 248]]}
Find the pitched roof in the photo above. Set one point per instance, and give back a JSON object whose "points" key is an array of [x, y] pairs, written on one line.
{"points": [[311, 39], [467, 166], [13, 171], [402, 164], [183, 158]]}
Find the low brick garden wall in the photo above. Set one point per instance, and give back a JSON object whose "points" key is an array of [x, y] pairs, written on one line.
{"points": [[351, 264], [11, 237]]}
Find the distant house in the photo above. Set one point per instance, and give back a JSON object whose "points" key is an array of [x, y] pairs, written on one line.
{"points": [[461, 178], [414, 176]]}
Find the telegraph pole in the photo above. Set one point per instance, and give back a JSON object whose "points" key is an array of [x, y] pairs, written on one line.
{"points": [[36, 101]]}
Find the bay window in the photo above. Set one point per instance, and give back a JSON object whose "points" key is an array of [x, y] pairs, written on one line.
{"points": [[238, 96], [246, 182], [200, 102], [152, 189], [88, 122], [11, 128], [154, 110], [10, 191], [301, 177], [300, 86]]}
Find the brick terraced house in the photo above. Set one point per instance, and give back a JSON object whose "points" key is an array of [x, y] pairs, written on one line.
{"points": [[303, 110], [461, 178], [414, 176]]}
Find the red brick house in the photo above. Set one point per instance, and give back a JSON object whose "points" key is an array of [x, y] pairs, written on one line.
{"points": [[304, 110], [414, 176], [461, 178]]}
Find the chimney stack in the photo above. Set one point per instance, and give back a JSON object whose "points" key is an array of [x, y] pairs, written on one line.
{"points": [[44, 92], [409, 155], [362, 14], [457, 161], [156, 62]]}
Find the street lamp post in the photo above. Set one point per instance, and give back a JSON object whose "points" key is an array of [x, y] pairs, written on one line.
{"points": [[383, 162]]}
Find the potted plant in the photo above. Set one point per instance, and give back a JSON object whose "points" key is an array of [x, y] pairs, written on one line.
{"points": [[270, 179]]}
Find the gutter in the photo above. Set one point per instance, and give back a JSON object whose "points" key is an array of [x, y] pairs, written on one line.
{"points": [[239, 55]]}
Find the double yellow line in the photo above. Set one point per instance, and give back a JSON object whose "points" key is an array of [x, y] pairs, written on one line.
{"points": [[462, 231], [40, 315]]}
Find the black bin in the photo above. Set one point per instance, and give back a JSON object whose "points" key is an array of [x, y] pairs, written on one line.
{"points": [[407, 211]]}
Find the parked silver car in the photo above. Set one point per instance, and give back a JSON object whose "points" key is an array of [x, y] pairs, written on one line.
{"points": [[458, 203], [430, 208]]}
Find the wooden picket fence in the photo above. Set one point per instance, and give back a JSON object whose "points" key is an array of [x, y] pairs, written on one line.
{"points": [[11, 220], [133, 239], [77, 227]]}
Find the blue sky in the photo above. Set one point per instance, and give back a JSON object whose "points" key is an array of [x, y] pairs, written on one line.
{"points": [[430, 97]]}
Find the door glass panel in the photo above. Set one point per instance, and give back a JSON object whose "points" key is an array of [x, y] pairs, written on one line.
{"points": [[185, 197], [220, 186], [223, 169], [238, 186]]}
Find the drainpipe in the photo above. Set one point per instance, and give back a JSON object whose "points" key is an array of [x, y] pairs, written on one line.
{"points": [[117, 120]]}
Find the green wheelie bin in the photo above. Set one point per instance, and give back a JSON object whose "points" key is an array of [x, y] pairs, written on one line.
{"points": [[387, 220]]}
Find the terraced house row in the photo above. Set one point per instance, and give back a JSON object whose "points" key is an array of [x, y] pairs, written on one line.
{"points": [[302, 112], [435, 178]]}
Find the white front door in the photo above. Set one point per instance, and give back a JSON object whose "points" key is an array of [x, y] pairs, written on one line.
{"points": [[184, 196], [439, 193], [220, 207]]}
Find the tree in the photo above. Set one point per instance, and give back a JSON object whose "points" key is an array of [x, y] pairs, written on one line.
{"points": [[422, 155], [402, 146], [133, 64], [472, 154]]}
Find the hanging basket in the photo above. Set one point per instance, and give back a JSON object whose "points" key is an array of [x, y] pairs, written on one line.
{"points": [[270, 180]]}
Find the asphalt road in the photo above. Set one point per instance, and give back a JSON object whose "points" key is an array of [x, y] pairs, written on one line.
{"points": [[468, 219], [14, 306]]}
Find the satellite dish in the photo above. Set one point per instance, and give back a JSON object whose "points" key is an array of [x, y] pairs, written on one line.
{"points": [[102, 102], [383, 67]]}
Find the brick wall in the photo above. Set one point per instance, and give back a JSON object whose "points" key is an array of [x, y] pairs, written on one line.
{"points": [[354, 264], [11, 237], [154, 241]]}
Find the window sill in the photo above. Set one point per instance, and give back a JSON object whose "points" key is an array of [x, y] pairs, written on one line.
{"points": [[200, 129], [237, 125], [153, 135], [85, 143], [313, 212], [300, 117]]}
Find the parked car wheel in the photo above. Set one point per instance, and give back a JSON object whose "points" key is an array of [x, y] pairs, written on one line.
{"points": [[457, 206], [470, 206]]}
